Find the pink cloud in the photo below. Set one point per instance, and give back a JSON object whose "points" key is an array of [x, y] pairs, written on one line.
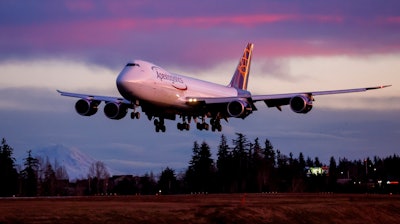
{"points": [[393, 19], [103, 31], [275, 35], [118, 24]]}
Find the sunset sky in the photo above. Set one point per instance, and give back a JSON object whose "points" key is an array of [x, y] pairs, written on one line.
{"points": [[81, 46]]}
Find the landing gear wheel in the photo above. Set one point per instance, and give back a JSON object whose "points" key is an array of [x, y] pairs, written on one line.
{"points": [[135, 115], [216, 125], [202, 126], [159, 125], [183, 126]]}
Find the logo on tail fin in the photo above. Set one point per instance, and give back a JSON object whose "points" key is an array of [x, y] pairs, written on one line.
{"points": [[241, 76]]}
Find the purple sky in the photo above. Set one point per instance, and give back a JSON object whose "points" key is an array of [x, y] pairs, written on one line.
{"points": [[299, 46]]}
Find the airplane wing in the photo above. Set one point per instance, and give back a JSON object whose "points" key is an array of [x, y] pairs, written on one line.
{"points": [[95, 98], [277, 100], [274, 97]]}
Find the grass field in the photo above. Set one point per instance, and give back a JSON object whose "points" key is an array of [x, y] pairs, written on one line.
{"points": [[226, 208]]}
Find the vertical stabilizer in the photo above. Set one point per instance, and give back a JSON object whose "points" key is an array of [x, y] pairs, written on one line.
{"points": [[241, 76]]}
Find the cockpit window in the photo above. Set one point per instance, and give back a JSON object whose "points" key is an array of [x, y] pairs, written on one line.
{"points": [[132, 64]]}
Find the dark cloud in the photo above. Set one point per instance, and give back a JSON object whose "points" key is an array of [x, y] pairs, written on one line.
{"points": [[196, 35]]}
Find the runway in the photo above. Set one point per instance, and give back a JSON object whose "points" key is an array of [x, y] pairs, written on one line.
{"points": [[204, 208]]}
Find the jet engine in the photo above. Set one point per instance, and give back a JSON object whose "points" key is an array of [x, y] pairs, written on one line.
{"points": [[86, 107], [301, 104], [238, 108], [115, 111]]}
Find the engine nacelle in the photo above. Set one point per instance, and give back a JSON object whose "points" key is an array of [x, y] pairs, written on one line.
{"points": [[115, 111], [301, 104], [86, 107], [238, 108]]}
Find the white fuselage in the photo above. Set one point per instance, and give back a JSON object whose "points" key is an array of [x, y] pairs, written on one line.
{"points": [[143, 81]]}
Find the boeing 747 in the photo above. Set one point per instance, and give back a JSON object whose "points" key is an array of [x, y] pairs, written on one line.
{"points": [[164, 95]]}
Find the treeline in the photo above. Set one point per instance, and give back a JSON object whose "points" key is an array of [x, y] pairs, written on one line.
{"points": [[243, 166], [39, 177], [36, 177], [251, 166]]}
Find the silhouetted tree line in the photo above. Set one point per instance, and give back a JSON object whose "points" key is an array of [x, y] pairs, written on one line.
{"points": [[243, 166], [36, 177]]}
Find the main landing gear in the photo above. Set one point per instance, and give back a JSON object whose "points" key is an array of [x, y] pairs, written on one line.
{"points": [[184, 125], [203, 125], [216, 125], [160, 126]]}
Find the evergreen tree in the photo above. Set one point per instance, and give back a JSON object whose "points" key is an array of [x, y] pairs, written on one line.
{"points": [[256, 167], [191, 178], [268, 168], [302, 162], [240, 154], [168, 182], [8, 173], [309, 162], [298, 174], [224, 166], [283, 172], [332, 174], [49, 180], [317, 163], [200, 174], [195, 156], [147, 184], [30, 175]]}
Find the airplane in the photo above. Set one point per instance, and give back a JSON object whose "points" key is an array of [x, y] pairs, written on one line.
{"points": [[164, 95]]}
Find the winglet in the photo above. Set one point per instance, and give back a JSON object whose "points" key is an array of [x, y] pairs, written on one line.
{"points": [[378, 87], [241, 75]]}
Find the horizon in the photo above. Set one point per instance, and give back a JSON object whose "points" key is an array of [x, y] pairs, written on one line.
{"points": [[86, 160]]}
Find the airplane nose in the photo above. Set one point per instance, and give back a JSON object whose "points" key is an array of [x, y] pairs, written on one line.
{"points": [[121, 79], [122, 83]]}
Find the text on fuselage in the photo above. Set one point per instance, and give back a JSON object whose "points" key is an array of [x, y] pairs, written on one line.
{"points": [[163, 76]]}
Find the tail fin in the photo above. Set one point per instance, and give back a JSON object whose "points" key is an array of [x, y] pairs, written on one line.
{"points": [[241, 76]]}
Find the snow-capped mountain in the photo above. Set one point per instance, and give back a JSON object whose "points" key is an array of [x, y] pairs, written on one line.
{"points": [[75, 161]]}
